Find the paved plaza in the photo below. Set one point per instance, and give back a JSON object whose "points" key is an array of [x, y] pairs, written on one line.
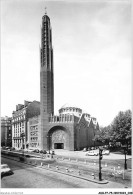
{"points": [[81, 154]]}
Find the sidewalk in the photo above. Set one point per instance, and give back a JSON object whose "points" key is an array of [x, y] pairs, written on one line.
{"points": [[72, 173]]}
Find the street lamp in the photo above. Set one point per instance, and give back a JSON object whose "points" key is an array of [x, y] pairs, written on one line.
{"points": [[49, 136], [22, 135], [100, 158], [125, 165], [125, 152]]}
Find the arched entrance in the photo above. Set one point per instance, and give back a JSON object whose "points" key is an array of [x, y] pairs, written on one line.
{"points": [[58, 138]]}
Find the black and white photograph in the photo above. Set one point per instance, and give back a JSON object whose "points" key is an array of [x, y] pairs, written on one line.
{"points": [[66, 97]]}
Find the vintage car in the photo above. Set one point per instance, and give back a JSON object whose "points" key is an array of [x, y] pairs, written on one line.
{"points": [[5, 170], [105, 152], [92, 153]]}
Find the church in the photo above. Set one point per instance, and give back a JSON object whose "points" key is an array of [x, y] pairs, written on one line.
{"points": [[71, 129]]}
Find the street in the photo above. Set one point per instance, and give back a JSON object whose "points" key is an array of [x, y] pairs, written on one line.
{"points": [[30, 177], [26, 176]]}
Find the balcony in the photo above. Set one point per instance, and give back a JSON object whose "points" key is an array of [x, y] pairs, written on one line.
{"points": [[17, 137]]}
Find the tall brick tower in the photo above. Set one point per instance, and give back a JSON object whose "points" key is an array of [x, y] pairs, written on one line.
{"points": [[46, 78]]}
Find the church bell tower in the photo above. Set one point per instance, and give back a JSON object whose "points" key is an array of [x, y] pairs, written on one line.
{"points": [[46, 78]]}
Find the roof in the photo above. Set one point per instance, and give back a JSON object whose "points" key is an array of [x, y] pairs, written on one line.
{"points": [[68, 105]]}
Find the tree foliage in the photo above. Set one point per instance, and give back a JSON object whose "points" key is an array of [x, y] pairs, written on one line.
{"points": [[118, 131], [121, 127], [104, 135]]}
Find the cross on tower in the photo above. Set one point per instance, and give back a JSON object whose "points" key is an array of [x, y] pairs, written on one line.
{"points": [[45, 10]]}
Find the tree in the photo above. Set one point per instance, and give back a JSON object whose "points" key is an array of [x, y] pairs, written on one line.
{"points": [[121, 127], [104, 135], [118, 131]]}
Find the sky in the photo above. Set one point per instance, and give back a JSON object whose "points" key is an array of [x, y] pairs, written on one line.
{"points": [[92, 54]]}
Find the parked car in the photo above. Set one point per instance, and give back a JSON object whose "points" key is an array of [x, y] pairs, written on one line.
{"points": [[36, 151], [18, 149], [53, 152], [43, 151], [7, 148], [92, 153], [30, 150], [89, 149], [12, 148], [5, 170], [25, 150], [105, 152], [85, 149]]}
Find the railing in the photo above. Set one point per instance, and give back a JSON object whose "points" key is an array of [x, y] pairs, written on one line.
{"points": [[61, 119]]}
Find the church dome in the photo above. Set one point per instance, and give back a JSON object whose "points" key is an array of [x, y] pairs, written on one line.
{"points": [[70, 109]]}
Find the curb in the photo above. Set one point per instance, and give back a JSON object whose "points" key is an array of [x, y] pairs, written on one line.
{"points": [[80, 177]]}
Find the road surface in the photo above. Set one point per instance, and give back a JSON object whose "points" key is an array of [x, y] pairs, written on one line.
{"points": [[26, 176]]}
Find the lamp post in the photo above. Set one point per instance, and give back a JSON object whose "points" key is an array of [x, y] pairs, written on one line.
{"points": [[22, 135], [125, 165], [48, 136], [125, 152], [100, 158]]}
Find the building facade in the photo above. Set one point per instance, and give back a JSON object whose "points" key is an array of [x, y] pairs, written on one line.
{"points": [[71, 129], [6, 131], [34, 136], [19, 123]]}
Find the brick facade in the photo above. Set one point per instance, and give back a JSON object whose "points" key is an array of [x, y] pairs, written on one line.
{"points": [[66, 131], [46, 78]]}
